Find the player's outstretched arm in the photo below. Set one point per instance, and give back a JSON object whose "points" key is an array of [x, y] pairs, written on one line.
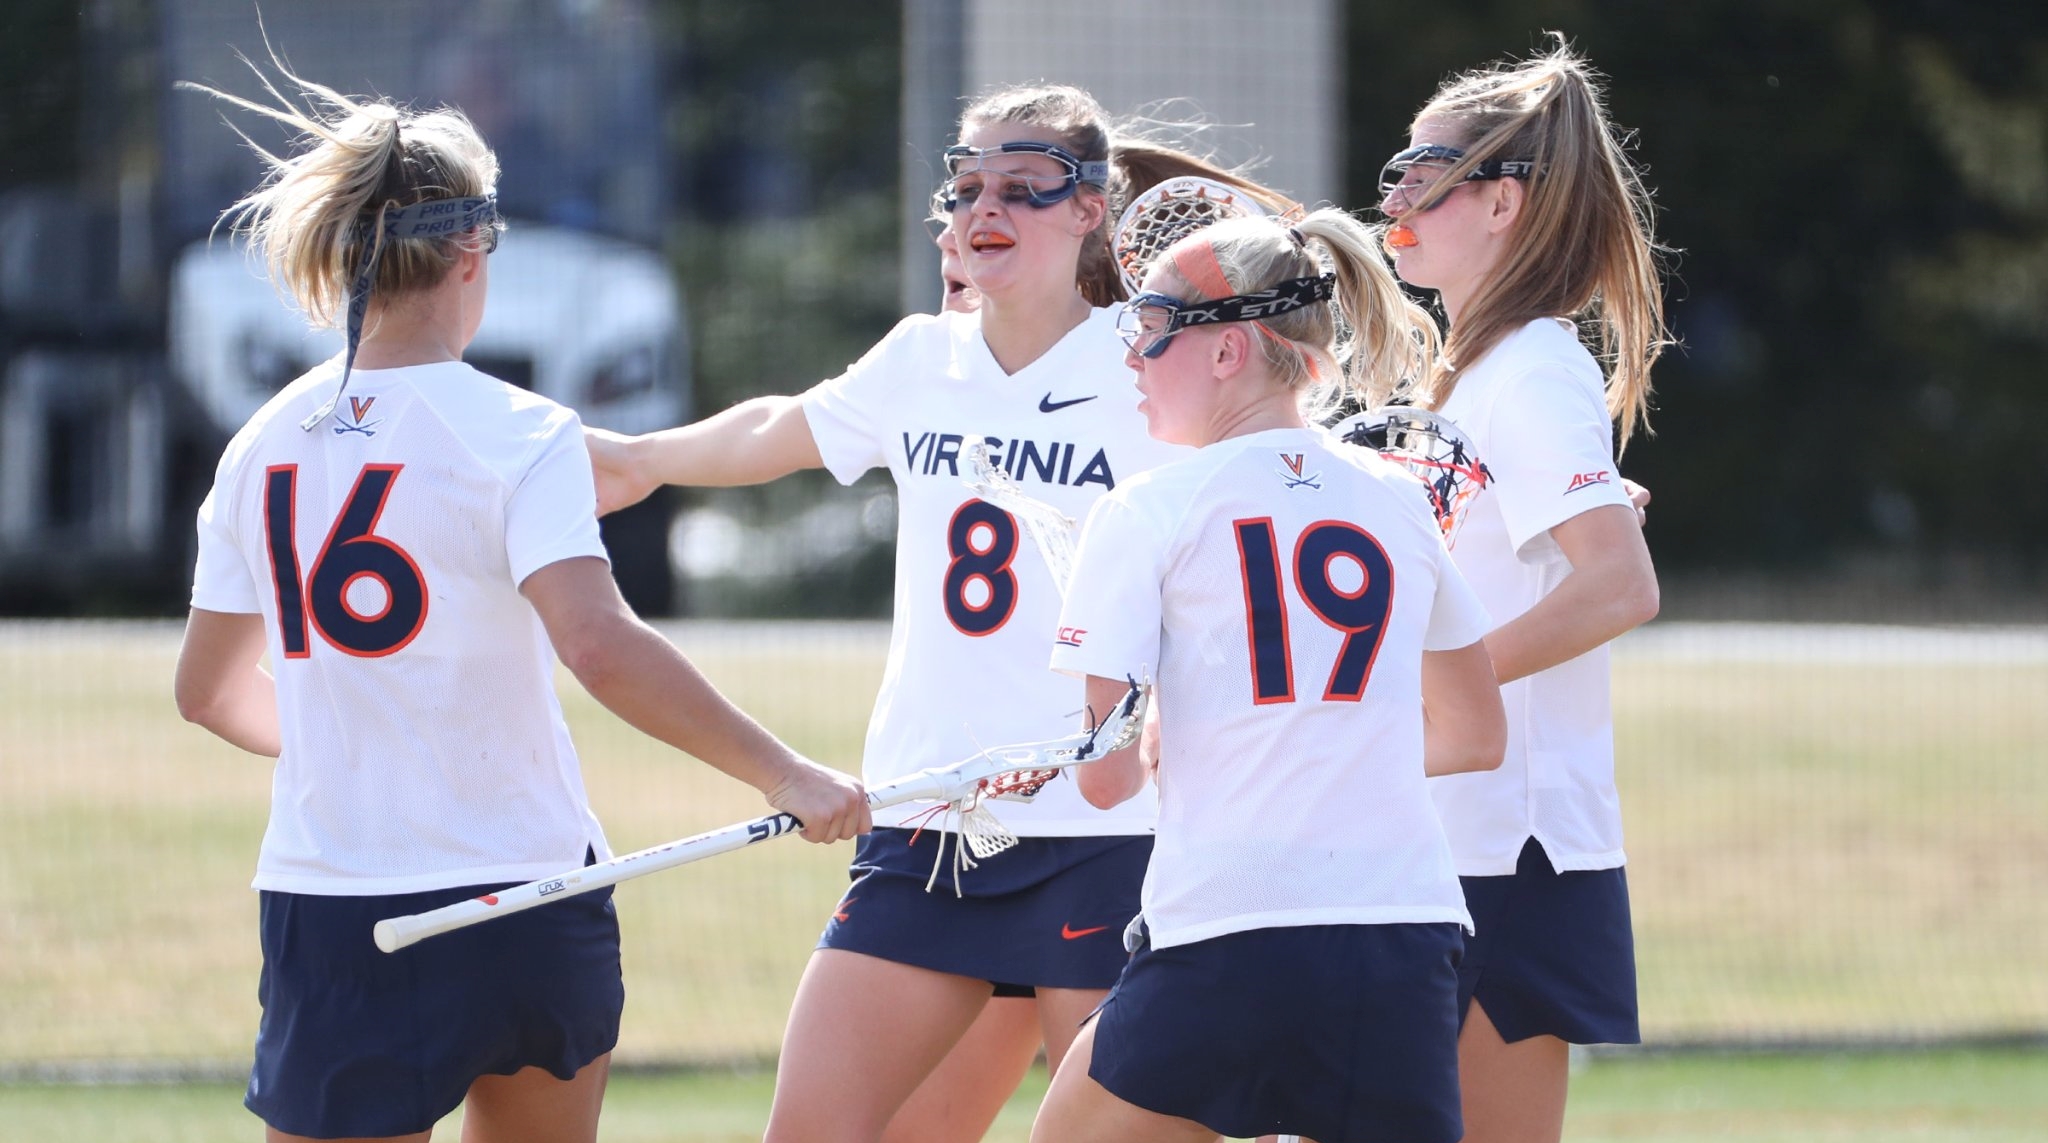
{"points": [[1118, 776], [1464, 726], [642, 678], [751, 443], [1612, 589], [221, 684]]}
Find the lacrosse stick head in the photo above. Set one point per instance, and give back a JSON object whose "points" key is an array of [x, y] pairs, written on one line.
{"points": [[1168, 213], [1052, 531], [1430, 446], [1114, 731]]}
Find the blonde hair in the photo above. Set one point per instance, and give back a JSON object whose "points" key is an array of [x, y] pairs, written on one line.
{"points": [[1137, 163], [1372, 342], [311, 216], [1584, 247]]}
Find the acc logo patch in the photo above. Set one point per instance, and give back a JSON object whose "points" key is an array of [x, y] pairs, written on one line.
{"points": [[1587, 480], [1071, 636]]}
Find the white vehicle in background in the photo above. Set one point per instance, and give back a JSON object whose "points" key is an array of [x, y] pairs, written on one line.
{"points": [[134, 339]]}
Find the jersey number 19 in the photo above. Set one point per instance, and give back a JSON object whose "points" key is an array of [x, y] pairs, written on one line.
{"points": [[1360, 613]]}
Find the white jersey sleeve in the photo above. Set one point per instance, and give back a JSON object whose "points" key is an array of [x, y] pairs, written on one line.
{"points": [[551, 514], [1456, 618], [1109, 625], [846, 414], [222, 580], [1559, 459]]}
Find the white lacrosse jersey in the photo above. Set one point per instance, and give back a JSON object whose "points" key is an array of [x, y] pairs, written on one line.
{"points": [[423, 747], [1536, 413], [1281, 587], [975, 604]]}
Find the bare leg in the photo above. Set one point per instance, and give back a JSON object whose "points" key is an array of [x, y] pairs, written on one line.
{"points": [[532, 1105], [1060, 1012], [1079, 1110], [863, 1034], [960, 1101], [1513, 1093]]}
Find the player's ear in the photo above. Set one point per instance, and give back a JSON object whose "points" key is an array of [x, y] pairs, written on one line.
{"points": [[1232, 351], [1093, 208], [1509, 196]]}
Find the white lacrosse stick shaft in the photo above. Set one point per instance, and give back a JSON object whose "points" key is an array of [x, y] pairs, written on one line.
{"points": [[946, 784]]}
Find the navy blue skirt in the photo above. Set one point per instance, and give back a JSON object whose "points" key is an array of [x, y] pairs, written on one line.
{"points": [[358, 1042], [1049, 913], [1341, 1033], [1553, 954]]}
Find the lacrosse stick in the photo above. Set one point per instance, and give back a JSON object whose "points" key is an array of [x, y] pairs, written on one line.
{"points": [[1431, 447], [1015, 773], [1052, 530], [1168, 213]]}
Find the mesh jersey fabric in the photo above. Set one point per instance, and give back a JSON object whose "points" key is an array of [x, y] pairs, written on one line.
{"points": [[1291, 781], [1535, 411], [974, 602], [423, 746]]}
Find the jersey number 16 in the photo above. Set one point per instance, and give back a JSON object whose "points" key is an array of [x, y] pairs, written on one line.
{"points": [[353, 551]]}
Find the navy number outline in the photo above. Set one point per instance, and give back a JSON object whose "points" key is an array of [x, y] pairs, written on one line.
{"points": [[352, 550], [1361, 614]]}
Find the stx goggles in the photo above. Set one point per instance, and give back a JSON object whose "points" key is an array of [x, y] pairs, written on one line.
{"points": [[1148, 322], [435, 218], [1398, 196], [968, 174]]}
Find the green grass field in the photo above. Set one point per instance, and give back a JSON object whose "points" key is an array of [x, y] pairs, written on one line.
{"points": [[1817, 850], [1936, 1097]]}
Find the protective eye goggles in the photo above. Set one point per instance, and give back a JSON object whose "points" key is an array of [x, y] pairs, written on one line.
{"points": [[1398, 195], [1149, 322], [968, 174]]}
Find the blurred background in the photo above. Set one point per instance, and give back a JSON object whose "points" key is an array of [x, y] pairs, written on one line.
{"points": [[1831, 741]]}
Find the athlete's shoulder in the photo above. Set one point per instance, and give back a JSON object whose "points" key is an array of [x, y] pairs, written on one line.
{"points": [[1544, 348], [502, 424]]}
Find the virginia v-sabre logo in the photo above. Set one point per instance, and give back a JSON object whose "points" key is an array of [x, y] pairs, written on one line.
{"points": [[1048, 462], [358, 408]]}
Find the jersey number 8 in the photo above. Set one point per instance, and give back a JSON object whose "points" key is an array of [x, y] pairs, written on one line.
{"points": [[352, 551], [1360, 613]]}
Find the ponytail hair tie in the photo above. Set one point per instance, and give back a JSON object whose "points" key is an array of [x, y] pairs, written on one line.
{"points": [[1299, 239]]}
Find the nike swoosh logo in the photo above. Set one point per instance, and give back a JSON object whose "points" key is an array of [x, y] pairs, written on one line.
{"points": [[1070, 933], [1047, 405]]}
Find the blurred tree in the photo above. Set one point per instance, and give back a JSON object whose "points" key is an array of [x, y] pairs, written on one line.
{"points": [[1856, 189], [40, 91]]}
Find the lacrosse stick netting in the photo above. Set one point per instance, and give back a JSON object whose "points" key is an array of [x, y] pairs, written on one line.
{"points": [[1021, 772], [1431, 447], [1051, 530], [1168, 213]]}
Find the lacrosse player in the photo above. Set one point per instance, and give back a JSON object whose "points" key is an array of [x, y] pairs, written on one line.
{"points": [[410, 542], [1037, 375], [1515, 203], [1317, 655]]}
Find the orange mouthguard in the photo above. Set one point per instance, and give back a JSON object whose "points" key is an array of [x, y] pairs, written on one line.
{"points": [[1401, 238]]}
